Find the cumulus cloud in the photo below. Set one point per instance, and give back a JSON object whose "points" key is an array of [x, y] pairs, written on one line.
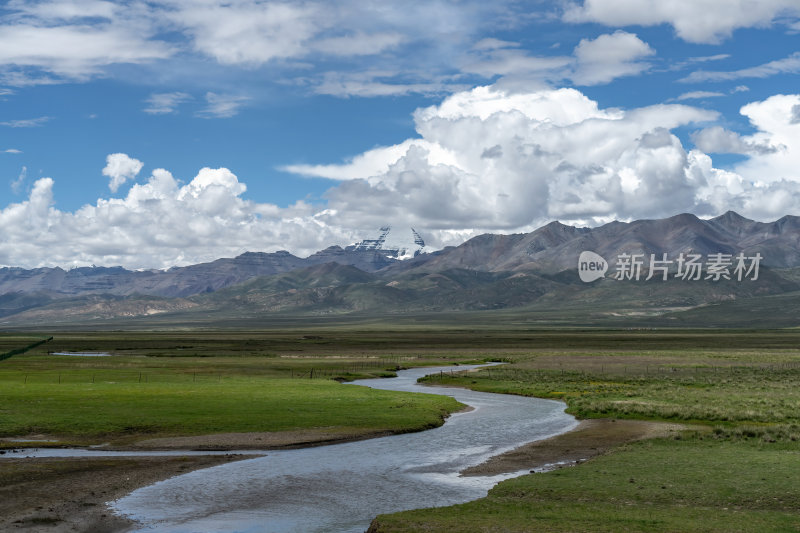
{"points": [[165, 103], [774, 120], [609, 57], [12, 151], [494, 160], [482, 160], [795, 119], [717, 139], [708, 21], [121, 168], [158, 224]]}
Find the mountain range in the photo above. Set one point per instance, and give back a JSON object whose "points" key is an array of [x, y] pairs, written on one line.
{"points": [[531, 274]]}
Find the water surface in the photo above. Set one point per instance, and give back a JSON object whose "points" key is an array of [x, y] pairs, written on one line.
{"points": [[342, 487]]}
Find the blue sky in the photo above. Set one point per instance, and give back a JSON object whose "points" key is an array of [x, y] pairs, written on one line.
{"points": [[151, 134]]}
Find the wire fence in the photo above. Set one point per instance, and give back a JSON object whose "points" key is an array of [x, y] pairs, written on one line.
{"points": [[355, 370]]}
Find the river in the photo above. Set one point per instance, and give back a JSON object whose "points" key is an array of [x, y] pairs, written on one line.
{"points": [[342, 487]]}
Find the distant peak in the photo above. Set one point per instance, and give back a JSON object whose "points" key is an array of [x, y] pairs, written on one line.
{"points": [[395, 243], [732, 216]]}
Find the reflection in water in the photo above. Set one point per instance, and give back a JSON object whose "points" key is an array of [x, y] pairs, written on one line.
{"points": [[343, 487]]}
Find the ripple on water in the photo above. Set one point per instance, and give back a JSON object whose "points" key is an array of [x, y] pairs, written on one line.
{"points": [[342, 487]]}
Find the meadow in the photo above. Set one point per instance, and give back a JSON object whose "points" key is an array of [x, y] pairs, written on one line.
{"points": [[173, 385], [734, 470]]}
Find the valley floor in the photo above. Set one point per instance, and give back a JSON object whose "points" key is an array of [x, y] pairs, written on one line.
{"points": [[60, 495]]}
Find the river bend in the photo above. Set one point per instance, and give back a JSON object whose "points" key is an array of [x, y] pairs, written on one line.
{"points": [[342, 487]]}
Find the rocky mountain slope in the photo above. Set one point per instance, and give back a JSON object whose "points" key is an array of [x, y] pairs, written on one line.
{"points": [[536, 271]]}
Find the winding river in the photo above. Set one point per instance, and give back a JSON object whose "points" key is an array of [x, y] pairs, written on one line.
{"points": [[342, 487]]}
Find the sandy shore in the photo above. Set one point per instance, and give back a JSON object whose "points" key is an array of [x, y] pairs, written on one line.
{"points": [[62, 495]]}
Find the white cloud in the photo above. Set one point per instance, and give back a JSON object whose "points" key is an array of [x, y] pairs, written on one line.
{"points": [[222, 105], [609, 57], [165, 103], [16, 185], [121, 168], [371, 83], [75, 51], [25, 123], [57, 41], [343, 48], [158, 224], [63, 10], [698, 95], [718, 140], [705, 59], [499, 58], [12, 151], [483, 160], [697, 21], [372, 162], [775, 122], [593, 62], [515, 160], [359, 43], [787, 65], [247, 32]]}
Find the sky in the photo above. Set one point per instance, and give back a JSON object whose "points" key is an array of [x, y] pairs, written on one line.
{"points": [[152, 134]]}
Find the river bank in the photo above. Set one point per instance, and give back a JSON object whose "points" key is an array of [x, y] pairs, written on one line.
{"points": [[62, 495]]}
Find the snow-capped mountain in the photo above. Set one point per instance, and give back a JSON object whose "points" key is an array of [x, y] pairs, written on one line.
{"points": [[396, 244]]}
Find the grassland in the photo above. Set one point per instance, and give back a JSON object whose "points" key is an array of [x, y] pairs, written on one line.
{"points": [[658, 485], [174, 385], [737, 473]]}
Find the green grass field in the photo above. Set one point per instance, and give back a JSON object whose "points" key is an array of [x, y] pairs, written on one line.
{"points": [[738, 473], [660, 485], [162, 385], [110, 410]]}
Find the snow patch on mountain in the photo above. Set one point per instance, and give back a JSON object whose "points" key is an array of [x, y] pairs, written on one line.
{"points": [[396, 244]]}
